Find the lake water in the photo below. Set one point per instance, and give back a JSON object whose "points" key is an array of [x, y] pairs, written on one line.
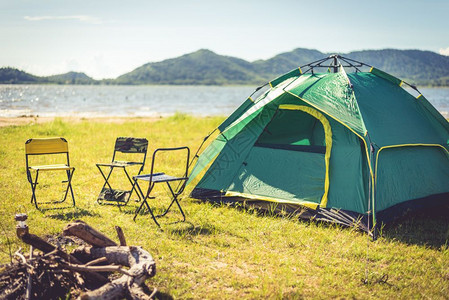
{"points": [[140, 101]]}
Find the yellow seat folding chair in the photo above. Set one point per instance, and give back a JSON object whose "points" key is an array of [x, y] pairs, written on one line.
{"points": [[125, 147], [46, 147]]}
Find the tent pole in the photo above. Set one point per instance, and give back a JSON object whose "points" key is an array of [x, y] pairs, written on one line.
{"points": [[373, 186], [335, 64]]}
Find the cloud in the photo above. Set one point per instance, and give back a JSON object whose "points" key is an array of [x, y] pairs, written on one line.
{"points": [[80, 18], [444, 51]]}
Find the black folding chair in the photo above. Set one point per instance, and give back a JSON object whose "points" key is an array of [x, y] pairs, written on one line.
{"points": [[45, 147], [124, 145], [160, 177]]}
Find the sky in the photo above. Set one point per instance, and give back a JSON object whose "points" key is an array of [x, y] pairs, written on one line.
{"points": [[107, 38]]}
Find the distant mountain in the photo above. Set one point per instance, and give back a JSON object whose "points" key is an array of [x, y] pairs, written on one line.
{"points": [[71, 78], [415, 66], [208, 68], [14, 76], [200, 67]]}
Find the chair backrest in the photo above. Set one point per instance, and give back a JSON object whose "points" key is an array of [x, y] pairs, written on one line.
{"points": [[131, 145], [178, 152], [46, 146], [175, 152]]}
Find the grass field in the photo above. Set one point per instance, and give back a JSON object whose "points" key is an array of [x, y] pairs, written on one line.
{"points": [[223, 252]]}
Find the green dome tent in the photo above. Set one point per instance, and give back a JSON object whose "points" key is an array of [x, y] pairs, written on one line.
{"points": [[345, 147]]}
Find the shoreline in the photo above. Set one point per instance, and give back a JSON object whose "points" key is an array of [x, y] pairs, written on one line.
{"points": [[30, 120]]}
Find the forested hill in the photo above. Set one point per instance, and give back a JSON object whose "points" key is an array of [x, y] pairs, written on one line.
{"points": [[208, 68], [200, 67], [14, 76]]}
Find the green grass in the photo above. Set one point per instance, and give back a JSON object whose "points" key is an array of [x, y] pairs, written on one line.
{"points": [[223, 252]]}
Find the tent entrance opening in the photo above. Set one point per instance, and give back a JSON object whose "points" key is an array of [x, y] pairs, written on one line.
{"points": [[288, 161]]}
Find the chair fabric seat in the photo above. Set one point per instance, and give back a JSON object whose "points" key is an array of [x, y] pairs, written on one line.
{"points": [[158, 177], [51, 167]]}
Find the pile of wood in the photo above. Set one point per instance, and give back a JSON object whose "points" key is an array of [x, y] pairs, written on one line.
{"points": [[99, 269]]}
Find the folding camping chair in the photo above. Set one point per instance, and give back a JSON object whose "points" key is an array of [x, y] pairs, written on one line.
{"points": [[46, 147], [160, 177], [137, 147]]}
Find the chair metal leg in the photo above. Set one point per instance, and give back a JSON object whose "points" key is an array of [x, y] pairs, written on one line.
{"points": [[174, 200], [106, 183], [34, 183], [180, 209], [69, 185], [144, 202], [145, 197], [33, 188], [133, 187], [141, 204], [151, 212], [106, 178], [138, 210]]}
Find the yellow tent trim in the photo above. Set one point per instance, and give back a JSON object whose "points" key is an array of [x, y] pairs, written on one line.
{"points": [[300, 71], [401, 83], [251, 99], [407, 145], [311, 205], [370, 70], [270, 84], [328, 138], [419, 96]]}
